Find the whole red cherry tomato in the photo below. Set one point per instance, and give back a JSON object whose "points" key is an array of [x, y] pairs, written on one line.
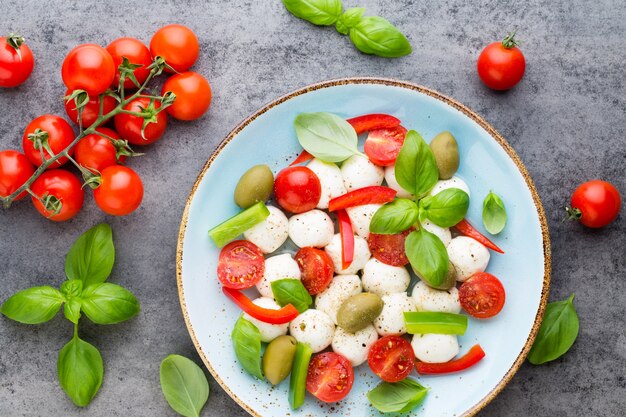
{"points": [[97, 152], [15, 170], [501, 65], [120, 191], [58, 188], [595, 204], [137, 53], [91, 110], [16, 61], [177, 44], [297, 189], [49, 128], [129, 126], [88, 67], [193, 95]]}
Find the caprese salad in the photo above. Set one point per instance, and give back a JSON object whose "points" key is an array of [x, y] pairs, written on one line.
{"points": [[361, 222]]}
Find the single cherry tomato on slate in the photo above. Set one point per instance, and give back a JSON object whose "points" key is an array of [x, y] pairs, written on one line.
{"points": [[16, 61], [90, 110], [129, 126], [62, 191], [193, 95], [482, 295], [383, 146], [120, 191], [595, 204], [177, 44], [297, 189], [50, 129], [97, 152], [316, 268], [389, 249], [88, 67], [15, 170], [391, 358], [330, 377], [240, 265], [501, 65], [137, 53]]}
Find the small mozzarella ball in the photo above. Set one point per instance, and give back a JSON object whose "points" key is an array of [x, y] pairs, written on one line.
{"points": [[268, 331], [435, 348], [313, 327], [390, 177], [359, 172], [331, 181], [442, 233], [361, 255], [354, 346], [382, 279], [271, 233], [313, 228], [454, 182], [340, 289], [277, 267], [430, 299], [391, 320], [468, 257], [361, 217]]}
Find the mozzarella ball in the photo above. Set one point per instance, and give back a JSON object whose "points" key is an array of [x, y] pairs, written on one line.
{"points": [[382, 279], [468, 257], [359, 172], [442, 233], [268, 331], [454, 182], [391, 320], [271, 233], [331, 181], [277, 267], [340, 289], [430, 299], [390, 177], [435, 348], [313, 327], [354, 346], [361, 255], [313, 228], [361, 217]]}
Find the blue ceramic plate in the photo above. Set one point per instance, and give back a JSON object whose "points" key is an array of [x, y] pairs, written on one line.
{"points": [[487, 163]]}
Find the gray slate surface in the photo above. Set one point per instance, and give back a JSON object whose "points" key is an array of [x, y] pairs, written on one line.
{"points": [[567, 121]]}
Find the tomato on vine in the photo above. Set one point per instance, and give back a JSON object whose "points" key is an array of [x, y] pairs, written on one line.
{"points": [[100, 150], [152, 122], [137, 54], [120, 191], [88, 67], [16, 61], [193, 95], [15, 170], [58, 195], [501, 65], [177, 45], [45, 135], [90, 110], [595, 204]]}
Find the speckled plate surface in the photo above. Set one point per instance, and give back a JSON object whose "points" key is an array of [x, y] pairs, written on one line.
{"points": [[487, 163]]}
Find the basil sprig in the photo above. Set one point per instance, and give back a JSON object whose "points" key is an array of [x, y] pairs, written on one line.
{"points": [[292, 291], [416, 168], [184, 385], [446, 208], [326, 136], [557, 333], [318, 12], [428, 256], [349, 19], [397, 397], [394, 217], [246, 339], [494, 213]]}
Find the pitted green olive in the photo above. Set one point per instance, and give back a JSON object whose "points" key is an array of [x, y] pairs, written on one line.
{"points": [[278, 358], [255, 185], [358, 311], [446, 152]]}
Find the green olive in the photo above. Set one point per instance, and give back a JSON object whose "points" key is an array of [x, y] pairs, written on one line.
{"points": [[358, 311], [446, 152], [449, 282], [255, 185], [278, 358]]}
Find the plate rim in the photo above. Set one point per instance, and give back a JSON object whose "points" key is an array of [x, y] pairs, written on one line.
{"points": [[413, 87]]}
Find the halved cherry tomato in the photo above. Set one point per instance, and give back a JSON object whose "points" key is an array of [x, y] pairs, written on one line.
{"points": [[137, 53], [129, 125], [389, 249], [96, 152], [193, 95], [15, 170], [372, 122], [91, 110], [16, 61], [302, 158], [471, 358], [330, 377], [297, 189], [316, 269], [59, 136], [120, 191], [595, 204], [88, 67], [464, 227], [382, 146], [177, 44], [391, 358], [501, 65], [482, 295], [58, 186], [347, 238], [266, 315], [241, 265], [376, 194]]}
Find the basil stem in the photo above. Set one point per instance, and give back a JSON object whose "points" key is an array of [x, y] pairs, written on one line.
{"points": [[227, 231], [425, 322]]}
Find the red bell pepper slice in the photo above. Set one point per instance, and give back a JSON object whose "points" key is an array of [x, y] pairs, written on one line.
{"points": [[376, 194], [347, 238], [266, 315], [372, 122], [464, 227], [471, 358], [303, 157]]}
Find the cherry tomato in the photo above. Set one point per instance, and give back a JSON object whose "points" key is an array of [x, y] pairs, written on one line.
{"points": [[383, 146], [482, 295], [64, 188], [96, 152], [90, 111], [389, 249], [60, 136], [193, 95], [129, 126], [330, 377], [317, 269], [240, 265], [120, 191], [16, 61], [15, 170], [391, 358], [501, 65], [297, 189], [177, 44], [88, 67], [137, 53], [595, 204]]}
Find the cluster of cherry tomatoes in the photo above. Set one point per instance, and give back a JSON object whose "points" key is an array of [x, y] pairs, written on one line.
{"points": [[58, 194]]}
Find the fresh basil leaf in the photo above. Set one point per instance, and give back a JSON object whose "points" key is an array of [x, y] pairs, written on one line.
{"points": [[72, 288], [33, 305], [375, 35], [184, 385], [557, 333], [349, 19], [416, 168], [292, 291], [247, 343], [318, 12], [108, 303], [326, 136], [92, 256], [428, 256], [494, 213], [71, 310], [80, 371], [397, 397], [394, 217], [446, 208]]}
